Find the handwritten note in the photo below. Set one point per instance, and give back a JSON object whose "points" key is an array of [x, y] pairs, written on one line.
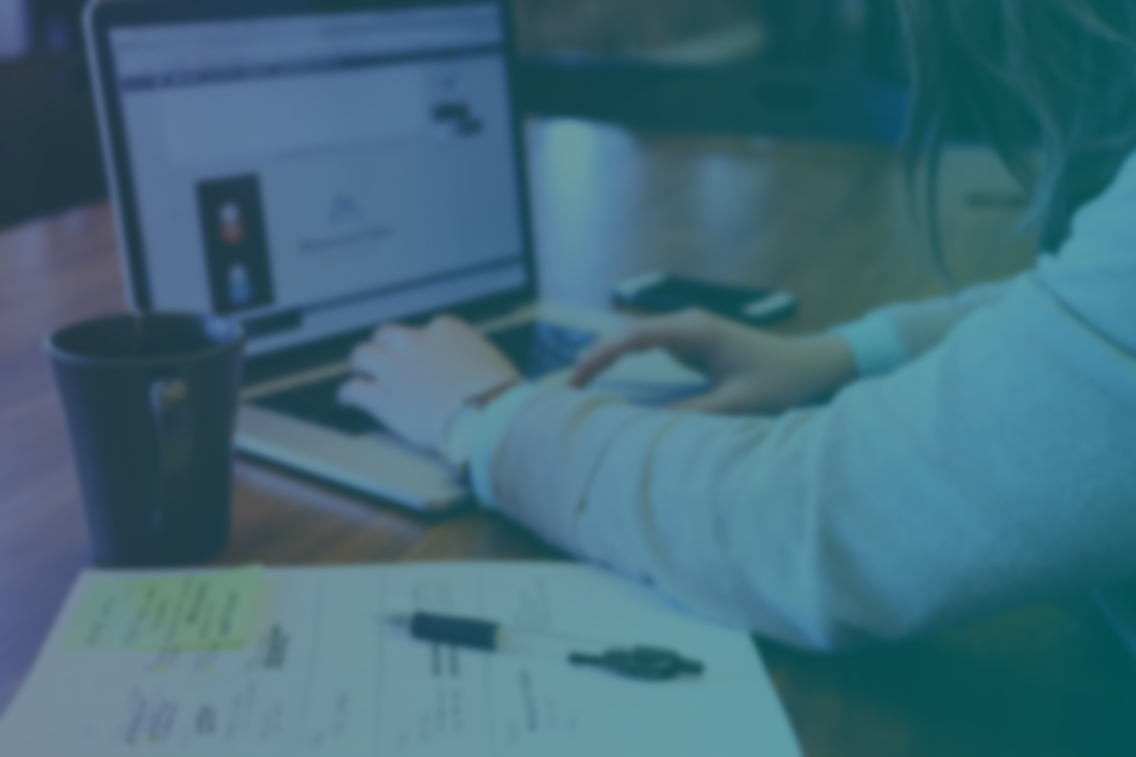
{"points": [[326, 672], [204, 610]]}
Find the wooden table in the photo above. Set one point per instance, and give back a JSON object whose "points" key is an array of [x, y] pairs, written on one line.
{"points": [[825, 221]]}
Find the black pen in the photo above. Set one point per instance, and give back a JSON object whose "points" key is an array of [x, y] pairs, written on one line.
{"points": [[639, 662]]}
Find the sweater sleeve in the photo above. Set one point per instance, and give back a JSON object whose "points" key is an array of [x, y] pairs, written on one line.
{"points": [[996, 468], [892, 336]]}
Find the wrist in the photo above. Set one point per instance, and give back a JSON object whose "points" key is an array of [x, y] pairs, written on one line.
{"points": [[831, 363], [485, 398], [461, 430], [876, 345], [493, 426], [839, 362]]}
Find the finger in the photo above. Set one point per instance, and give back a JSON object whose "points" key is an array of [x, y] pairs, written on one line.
{"points": [[678, 333], [394, 337], [363, 394], [600, 356], [372, 361], [445, 323]]}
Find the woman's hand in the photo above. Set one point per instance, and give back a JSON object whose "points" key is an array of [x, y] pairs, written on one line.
{"points": [[751, 371], [414, 380]]}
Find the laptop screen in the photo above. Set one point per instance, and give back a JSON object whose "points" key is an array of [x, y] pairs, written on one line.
{"points": [[312, 174]]}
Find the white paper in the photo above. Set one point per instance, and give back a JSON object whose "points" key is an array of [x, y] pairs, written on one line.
{"points": [[327, 673]]}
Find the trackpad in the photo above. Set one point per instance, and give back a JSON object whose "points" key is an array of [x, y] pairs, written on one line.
{"points": [[651, 378]]}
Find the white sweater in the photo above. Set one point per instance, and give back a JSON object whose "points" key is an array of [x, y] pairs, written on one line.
{"points": [[986, 458]]}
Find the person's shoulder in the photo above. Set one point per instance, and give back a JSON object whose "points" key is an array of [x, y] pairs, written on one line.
{"points": [[1094, 273], [1127, 172], [1120, 190], [1106, 226]]}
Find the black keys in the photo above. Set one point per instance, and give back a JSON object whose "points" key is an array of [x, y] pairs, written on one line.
{"points": [[318, 403], [539, 348]]}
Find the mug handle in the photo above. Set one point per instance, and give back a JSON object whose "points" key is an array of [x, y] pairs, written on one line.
{"points": [[169, 407]]}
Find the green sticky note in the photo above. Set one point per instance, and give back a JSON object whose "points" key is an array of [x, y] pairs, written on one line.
{"points": [[205, 610]]}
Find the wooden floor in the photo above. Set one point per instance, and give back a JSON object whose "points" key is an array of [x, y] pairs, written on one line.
{"points": [[825, 221]]}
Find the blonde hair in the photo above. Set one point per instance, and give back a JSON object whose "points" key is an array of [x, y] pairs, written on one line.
{"points": [[1050, 83]]}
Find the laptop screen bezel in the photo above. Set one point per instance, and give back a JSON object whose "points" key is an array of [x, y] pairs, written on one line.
{"points": [[103, 16]]}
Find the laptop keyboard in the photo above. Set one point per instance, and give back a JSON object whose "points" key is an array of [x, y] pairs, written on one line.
{"points": [[536, 348], [318, 402]]}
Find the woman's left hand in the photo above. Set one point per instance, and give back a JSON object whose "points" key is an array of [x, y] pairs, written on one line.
{"points": [[414, 380]]}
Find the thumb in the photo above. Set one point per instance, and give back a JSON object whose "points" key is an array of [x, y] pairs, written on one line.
{"points": [[679, 333], [361, 394], [609, 349]]}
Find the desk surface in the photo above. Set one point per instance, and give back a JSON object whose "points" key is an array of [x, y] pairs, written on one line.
{"points": [[825, 221]]}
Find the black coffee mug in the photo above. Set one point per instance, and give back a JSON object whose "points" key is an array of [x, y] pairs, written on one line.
{"points": [[151, 403]]}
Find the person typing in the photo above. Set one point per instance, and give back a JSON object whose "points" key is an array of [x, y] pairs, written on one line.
{"points": [[929, 463]]}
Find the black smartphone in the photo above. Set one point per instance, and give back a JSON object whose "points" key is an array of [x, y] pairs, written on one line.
{"points": [[660, 292]]}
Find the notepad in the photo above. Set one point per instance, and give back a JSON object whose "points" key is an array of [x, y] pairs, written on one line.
{"points": [[163, 664], [208, 610]]}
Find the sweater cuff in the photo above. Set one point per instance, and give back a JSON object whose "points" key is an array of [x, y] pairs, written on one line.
{"points": [[876, 344], [487, 437]]}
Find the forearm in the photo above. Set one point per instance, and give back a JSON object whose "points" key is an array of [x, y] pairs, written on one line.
{"points": [[937, 494], [746, 522], [895, 335]]}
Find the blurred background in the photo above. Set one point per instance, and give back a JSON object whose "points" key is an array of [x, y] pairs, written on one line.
{"points": [[816, 69]]}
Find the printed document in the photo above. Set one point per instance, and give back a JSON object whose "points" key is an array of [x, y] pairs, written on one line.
{"points": [[281, 662]]}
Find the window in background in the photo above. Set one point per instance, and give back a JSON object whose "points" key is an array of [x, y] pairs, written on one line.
{"points": [[49, 150], [14, 29], [40, 27]]}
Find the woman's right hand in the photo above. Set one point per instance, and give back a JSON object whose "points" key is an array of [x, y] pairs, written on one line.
{"points": [[751, 371]]}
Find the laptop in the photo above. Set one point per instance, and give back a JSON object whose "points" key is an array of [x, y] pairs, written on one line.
{"points": [[313, 169]]}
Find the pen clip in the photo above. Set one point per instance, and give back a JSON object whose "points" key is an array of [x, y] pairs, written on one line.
{"points": [[641, 663]]}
